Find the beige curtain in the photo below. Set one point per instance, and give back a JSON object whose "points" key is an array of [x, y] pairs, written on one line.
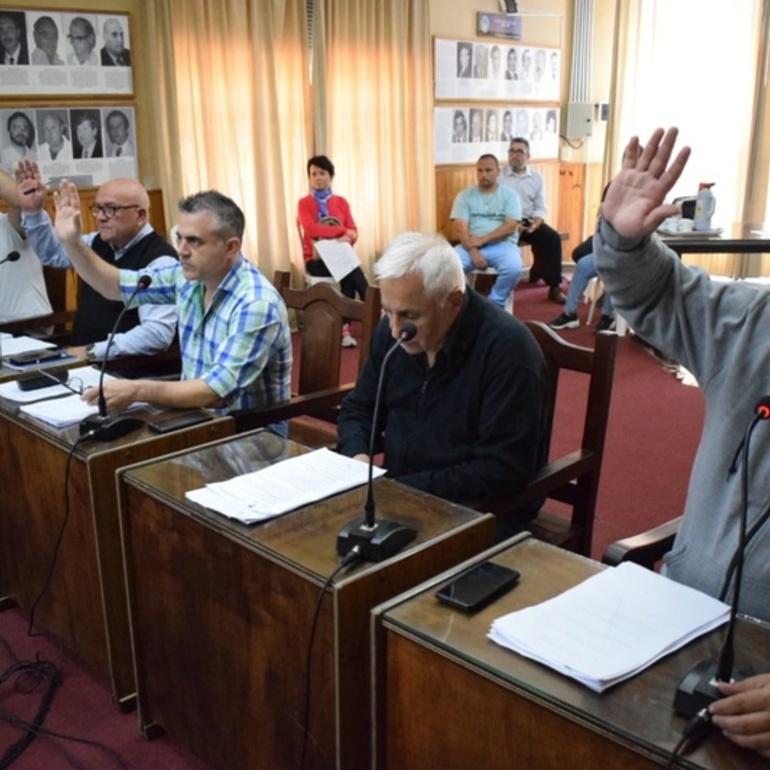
{"points": [[234, 111], [374, 114], [666, 73]]}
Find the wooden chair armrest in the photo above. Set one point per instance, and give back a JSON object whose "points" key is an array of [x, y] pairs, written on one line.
{"points": [[554, 475], [321, 402], [645, 548]]}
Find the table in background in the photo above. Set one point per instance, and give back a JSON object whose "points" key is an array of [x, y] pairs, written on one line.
{"points": [[85, 603], [222, 612], [448, 697], [739, 239]]}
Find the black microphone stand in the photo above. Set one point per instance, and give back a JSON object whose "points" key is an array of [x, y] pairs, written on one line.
{"points": [[101, 427], [377, 540], [698, 688]]}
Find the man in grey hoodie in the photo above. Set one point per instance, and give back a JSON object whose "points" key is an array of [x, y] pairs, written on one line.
{"points": [[720, 333]]}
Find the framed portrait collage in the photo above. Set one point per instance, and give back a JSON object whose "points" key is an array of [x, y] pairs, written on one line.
{"points": [[67, 94], [520, 86]]}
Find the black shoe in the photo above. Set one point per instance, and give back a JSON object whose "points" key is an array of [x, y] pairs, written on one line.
{"points": [[555, 294], [565, 321], [606, 323]]}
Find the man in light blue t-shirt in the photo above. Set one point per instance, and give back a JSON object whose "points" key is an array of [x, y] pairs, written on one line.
{"points": [[487, 219]]}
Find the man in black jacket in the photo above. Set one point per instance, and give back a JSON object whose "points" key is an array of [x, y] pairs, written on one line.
{"points": [[463, 404]]}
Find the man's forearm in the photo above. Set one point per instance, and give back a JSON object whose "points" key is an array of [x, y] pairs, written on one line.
{"points": [[500, 234], [93, 270], [186, 394]]}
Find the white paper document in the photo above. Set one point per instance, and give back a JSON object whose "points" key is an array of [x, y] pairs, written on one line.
{"points": [[338, 256], [14, 345], [283, 486], [611, 626]]}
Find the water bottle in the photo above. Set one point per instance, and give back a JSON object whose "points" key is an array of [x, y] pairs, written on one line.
{"points": [[705, 203]]}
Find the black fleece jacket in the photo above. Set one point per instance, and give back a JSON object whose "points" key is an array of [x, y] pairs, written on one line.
{"points": [[470, 428]]}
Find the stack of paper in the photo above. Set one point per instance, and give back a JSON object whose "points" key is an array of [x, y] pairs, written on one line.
{"points": [[283, 486], [611, 626]]}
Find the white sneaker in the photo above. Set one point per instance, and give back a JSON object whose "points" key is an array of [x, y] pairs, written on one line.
{"points": [[348, 341]]}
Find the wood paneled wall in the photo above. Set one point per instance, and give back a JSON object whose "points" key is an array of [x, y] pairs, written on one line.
{"points": [[62, 284]]}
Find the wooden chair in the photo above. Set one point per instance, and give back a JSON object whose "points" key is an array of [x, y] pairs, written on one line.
{"points": [[319, 393], [645, 549], [574, 478]]}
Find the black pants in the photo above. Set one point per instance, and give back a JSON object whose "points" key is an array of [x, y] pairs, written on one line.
{"points": [[546, 254], [353, 283], [584, 249]]}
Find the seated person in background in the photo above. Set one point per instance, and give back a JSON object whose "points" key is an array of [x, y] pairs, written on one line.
{"points": [[125, 238], [545, 241], [486, 219], [463, 409], [233, 326], [22, 286], [324, 215], [719, 331]]}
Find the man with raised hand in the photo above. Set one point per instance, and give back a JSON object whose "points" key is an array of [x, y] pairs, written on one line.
{"points": [[719, 332]]}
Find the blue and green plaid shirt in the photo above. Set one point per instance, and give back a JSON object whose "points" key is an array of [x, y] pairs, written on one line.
{"points": [[240, 346]]}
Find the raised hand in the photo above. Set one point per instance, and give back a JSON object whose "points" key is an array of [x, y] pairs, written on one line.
{"points": [[29, 183], [634, 204], [68, 224]]}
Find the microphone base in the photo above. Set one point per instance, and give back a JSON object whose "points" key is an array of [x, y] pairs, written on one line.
{"points": [[99, 428], [698, 689], [376, 543]]}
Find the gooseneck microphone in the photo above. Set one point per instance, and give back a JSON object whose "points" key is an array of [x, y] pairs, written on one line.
{"points": [[698, 687], [377, 540], [100, 427], [12, 257]]}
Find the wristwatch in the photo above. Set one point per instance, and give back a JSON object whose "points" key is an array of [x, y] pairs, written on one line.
{"points": [[90, 349]]}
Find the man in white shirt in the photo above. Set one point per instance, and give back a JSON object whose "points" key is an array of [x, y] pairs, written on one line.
{"points": [[22, 285], [57, 145], [21, 133], [46, 35], [82, 37], [545, 241]]}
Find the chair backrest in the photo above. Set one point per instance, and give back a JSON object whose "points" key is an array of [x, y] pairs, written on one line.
{"points": [[323, 309], [573, 479]]}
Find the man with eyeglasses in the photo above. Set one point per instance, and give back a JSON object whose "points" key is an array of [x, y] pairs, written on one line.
{"points": [[82, 38], [545, 241], [124, 238]]}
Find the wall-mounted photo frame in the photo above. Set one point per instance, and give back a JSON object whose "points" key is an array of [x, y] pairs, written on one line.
{"points": [[463, 133], [53, 52], [467, 69], [87, 145]]}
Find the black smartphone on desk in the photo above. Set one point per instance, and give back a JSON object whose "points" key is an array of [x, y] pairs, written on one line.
{"points": [[176, 421], [477, 587], [33, 357]]}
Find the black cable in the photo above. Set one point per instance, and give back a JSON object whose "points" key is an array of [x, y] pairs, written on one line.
{"points": [[696, 728], [60, 536], [353, 556]]}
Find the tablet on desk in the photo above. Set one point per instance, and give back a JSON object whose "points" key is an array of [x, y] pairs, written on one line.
{"points": [[35, 357]]}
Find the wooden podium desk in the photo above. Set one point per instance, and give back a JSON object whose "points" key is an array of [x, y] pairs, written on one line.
{"points": [[85, 603], [222, 612], [448, 698]]}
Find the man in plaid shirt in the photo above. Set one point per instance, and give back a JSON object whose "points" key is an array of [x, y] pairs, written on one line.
{"points": [[233, 327]]}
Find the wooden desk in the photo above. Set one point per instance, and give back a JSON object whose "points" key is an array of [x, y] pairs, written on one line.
{"points": [[447, 697], [221, 612], [85, 604]]}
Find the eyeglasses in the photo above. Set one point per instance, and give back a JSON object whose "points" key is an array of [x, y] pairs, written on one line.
{"points": [[109, 210]]}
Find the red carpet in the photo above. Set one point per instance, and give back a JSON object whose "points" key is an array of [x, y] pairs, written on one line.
{"points": [[653, 431]]}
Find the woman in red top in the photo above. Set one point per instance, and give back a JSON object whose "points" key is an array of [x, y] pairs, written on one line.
{"points": [[324, 215]]}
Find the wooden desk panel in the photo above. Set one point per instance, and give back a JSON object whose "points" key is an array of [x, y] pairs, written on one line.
{"points": [[85, 604], [222, 612], [438, 675]]}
